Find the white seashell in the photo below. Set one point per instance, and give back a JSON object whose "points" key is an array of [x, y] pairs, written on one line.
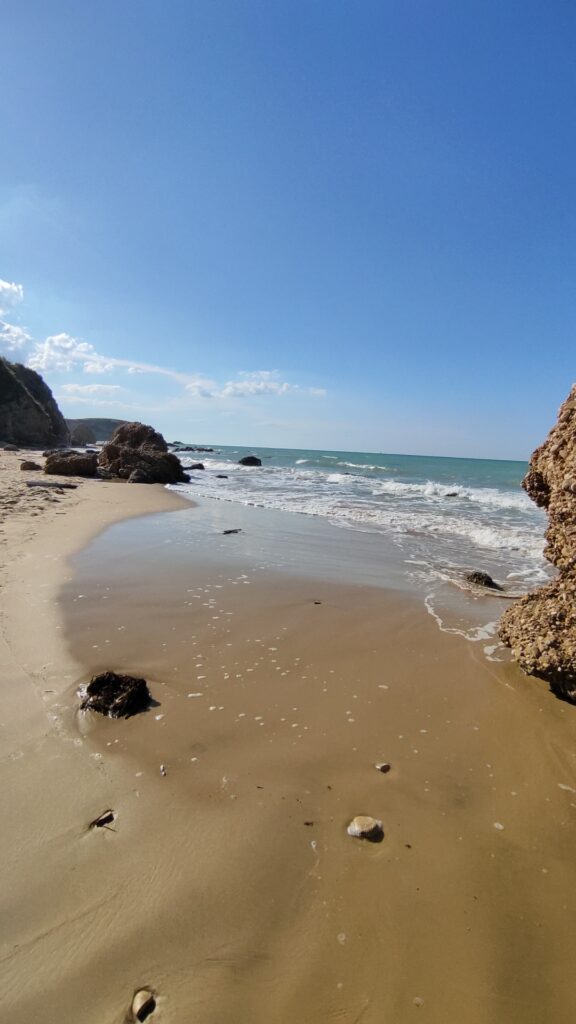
{"points": [[365, 827]]}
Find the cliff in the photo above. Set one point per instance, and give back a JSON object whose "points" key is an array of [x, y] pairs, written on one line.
{"points": [[29, 414], [541, 627]]}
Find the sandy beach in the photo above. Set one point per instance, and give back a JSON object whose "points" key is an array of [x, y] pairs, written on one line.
{"points": [[228, 883]]}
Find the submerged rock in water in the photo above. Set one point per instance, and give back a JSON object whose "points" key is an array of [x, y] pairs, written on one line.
{"points": [[250, 460], [365, 827], [541, 627], [482, 579], [117, 696]]}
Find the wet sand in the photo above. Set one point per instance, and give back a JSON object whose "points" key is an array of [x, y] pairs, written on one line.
{"points": [[229, 883]]}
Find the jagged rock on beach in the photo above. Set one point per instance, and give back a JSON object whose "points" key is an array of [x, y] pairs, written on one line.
{"points": [[540, 628], [117, 696], [138, 453], [481, 579], [27, 465], [70, 463], [250, 460], [365, 827]]}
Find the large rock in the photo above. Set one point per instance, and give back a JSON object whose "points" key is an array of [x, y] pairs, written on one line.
{"points": [[82, 434], [541, 627], [29, 414], [67, 463], [136, 452]]}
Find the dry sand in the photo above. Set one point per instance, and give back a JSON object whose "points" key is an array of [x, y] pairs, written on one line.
{"points": [[229, 884]]}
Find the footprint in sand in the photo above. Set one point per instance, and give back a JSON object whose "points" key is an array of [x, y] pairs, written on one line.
{"points": [[143, 1005]]}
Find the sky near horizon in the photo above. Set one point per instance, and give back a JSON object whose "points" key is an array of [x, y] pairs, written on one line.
{"points": [[295, 223]]}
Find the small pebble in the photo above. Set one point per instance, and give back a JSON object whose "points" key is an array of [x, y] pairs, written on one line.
{"points": [[162, 769]]}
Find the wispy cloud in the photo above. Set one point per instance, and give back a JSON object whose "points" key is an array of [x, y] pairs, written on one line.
{"points": [[80, 390], [63, 353]]}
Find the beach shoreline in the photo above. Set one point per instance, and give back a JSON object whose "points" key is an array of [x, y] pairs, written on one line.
{"points": [[228, 883]]}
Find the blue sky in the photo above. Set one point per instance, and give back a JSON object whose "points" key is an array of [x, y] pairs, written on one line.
{"points": [[307, 223]]}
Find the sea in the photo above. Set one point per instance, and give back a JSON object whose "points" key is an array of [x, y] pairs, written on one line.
{"points": [[444, 516]]}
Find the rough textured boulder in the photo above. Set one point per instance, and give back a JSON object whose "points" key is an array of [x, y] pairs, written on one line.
{"points": [[541, 627], [67, 463], [82, 434], [28, 465], [250, 460], [117, 696], [29, 414], [136, 452]]}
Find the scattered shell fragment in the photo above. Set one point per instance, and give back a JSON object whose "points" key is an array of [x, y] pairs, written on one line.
{"points": [[162, 769], [383, 766], [104, 820], [143, 1005], [365, 827]]}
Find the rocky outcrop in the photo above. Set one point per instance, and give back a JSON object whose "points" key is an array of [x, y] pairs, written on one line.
{"points": [[139, 454], [100, 428], [541, 627], [82, 434], [69, 463], [29, 415]]}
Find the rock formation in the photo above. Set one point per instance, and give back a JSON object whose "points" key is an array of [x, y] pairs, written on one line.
{"points": [[29, 414], [82, 435], [99, 428], [541, 627], [137, 453]]}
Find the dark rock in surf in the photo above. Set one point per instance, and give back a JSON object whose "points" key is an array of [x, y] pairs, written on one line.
{"points": [[250, 460], [197, 465], [481, 579], [117, 696]]}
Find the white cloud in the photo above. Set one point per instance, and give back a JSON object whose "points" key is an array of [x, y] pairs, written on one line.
{"points": [[251, 384], [12, 338], [91, 389], [60, 352], [10, 295]]}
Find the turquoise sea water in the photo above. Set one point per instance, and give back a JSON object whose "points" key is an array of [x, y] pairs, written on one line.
{"points": [[443, 514]]}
